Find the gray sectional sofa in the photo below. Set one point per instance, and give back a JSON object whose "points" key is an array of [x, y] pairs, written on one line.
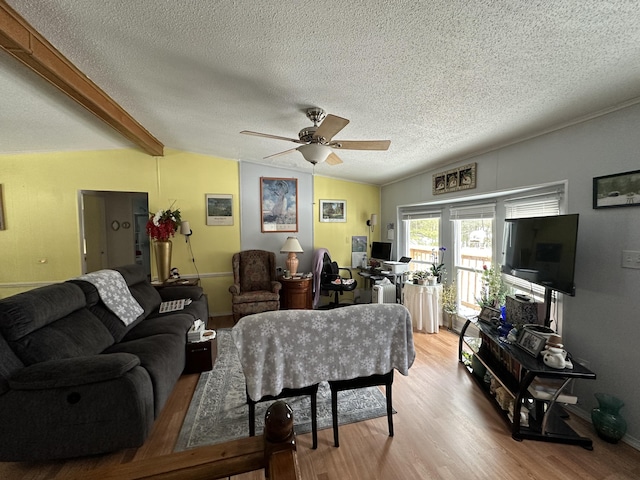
{"points": [[74, 379]]}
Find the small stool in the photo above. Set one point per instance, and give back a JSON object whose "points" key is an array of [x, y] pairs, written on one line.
{"points": [[312, 391], [360, 382]]}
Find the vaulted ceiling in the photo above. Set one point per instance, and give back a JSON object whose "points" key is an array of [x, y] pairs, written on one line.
{"points": [[443, 80]]}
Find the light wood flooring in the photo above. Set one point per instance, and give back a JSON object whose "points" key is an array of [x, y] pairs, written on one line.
{"points": [[445, 428]]}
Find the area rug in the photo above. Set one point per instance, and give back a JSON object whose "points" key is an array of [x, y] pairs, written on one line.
{"points": [[219, 413]]}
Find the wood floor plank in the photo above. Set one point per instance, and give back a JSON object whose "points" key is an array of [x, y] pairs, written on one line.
{"points": [[445, 428]]}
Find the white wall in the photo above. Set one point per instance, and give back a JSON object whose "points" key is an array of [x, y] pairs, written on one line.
{"points": [[602, 322]]}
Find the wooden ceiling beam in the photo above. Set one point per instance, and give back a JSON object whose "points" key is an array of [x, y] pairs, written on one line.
{"points": [[24, 43]]}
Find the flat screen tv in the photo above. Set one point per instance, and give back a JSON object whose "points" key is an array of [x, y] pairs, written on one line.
{"points": [[381, 251], [542, 250]]}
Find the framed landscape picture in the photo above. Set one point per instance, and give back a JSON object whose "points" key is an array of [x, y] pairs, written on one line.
{"points": [[333, 210], [219, 209], [279, 204], [617, 190]]}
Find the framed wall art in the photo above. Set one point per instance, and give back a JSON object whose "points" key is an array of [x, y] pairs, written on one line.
{"points": [[456, 179], [219, 209], [279, 204], [617, 190], [333, 210]]}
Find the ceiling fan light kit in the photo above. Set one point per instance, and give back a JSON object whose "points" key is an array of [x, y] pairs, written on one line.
{"points": [[317, 139], [314, 153]]}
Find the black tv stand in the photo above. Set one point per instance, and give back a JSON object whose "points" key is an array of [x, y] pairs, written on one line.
{"points": [[548, 297], [518, 373]]}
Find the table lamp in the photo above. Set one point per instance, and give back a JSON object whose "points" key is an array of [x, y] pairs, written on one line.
{"points": [[292, 246]]}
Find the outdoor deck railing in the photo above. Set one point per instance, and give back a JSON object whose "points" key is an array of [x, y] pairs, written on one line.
{"points": [[469, 279]]}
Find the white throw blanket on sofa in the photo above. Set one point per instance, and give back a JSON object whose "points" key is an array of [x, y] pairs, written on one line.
{"points": [[115, 294], [299, 348]]}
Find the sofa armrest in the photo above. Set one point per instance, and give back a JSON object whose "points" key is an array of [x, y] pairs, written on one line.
{"points": [[69, 372], [179, 292], [275, 286], [235, 289]]}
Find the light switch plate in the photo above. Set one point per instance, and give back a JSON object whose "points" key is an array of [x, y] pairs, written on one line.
{"points": [[630, 259]]}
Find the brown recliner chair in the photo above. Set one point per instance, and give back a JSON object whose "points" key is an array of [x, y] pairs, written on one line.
{"points": [[255, 288]]}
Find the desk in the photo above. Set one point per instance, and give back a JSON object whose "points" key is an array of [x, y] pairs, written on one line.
{"points": [[374, 276], [424, 302]]}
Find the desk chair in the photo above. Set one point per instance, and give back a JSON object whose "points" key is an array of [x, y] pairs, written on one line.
{"points": [[330, 280]]}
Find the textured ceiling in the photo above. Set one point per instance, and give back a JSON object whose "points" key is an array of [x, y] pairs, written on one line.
{"points": [[440, 79]]}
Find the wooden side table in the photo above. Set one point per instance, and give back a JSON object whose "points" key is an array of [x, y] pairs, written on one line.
{"points": [[296, 293]]}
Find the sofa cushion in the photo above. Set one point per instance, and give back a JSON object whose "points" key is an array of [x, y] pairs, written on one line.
{"points": [[163, 357], [140, 287], [110, 320], [176, 323], [9, 365], [26, 312], [78, 334], [69, 372]]}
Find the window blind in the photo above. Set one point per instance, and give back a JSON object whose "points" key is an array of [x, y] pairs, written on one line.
{"points": [[541, 205], [473, 212], [411, 214]]}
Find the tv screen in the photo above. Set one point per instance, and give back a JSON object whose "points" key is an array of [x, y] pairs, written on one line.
{"points": [[542, 250], [381, 251]]}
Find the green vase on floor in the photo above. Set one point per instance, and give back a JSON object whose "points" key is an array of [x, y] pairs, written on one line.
{"points": [[606, 418]]}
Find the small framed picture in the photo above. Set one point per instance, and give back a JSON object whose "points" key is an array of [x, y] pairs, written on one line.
{"points": [[489, 315], [531, 342], [333, 210], [617, 190], [219, 209]]}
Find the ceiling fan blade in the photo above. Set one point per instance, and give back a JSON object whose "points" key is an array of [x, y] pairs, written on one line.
{"points": [[361, 144], [281, 153], [330, 126], [333, 159], [266, 135]]}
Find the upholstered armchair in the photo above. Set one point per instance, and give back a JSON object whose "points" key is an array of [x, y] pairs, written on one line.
{"points": [[255, 288]]}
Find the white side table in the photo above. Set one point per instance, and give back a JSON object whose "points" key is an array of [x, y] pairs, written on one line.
{"points": [[424, 303]]}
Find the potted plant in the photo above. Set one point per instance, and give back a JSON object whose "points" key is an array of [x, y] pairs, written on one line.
{"points": [[494, 290], [437, 266], [450, 302], [419, 277]]}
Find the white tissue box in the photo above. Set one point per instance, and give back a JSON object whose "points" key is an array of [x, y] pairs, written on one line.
{"points": [[195, 332]]}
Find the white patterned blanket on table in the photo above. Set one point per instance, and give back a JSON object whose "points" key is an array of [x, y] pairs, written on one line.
{"points": [[299, 348]]}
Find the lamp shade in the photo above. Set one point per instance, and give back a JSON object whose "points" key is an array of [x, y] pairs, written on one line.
{"points": [[374, 219], [185, 228], [314, 152], [292, 245]]}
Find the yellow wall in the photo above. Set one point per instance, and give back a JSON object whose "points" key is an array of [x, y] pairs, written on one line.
{"points": [[42, 212], [40, 193], [362, 200]]}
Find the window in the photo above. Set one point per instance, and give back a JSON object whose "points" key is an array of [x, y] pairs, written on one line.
{"points": [[422, 234], [473, 230]]}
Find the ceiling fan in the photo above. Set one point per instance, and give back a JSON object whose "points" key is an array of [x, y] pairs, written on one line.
{"points": [[317, 140]]}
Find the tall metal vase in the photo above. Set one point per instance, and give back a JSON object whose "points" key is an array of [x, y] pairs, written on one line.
{"points": [[162, 250]]}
